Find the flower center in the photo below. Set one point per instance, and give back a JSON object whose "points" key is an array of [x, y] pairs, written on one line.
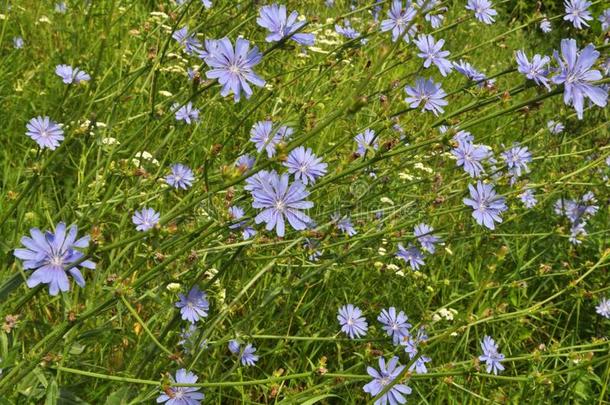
{"points": [[571, 78], [234, 69], [57, 260], [279, 205]]}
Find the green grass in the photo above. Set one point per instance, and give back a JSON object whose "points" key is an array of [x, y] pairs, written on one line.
{"points": [[113, 341]]}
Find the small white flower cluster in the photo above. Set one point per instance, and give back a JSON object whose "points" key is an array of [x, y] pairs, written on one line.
{"points": [[446, 314], [146, 156]]}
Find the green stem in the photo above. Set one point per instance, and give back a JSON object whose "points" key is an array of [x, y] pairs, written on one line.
{"points": [[105, 376], [135, 314]]}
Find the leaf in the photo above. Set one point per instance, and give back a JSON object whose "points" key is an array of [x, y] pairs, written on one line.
{"points": [[98, 331], [582, 388], [77, 348], [52, 394], [29, 386], [10, 285], [69, 398], [41, 377], [3, 344], [318, 399], [119, 397]]}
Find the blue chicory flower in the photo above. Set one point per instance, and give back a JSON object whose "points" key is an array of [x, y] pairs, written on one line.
{"points": [[247, 356], [344, 224], [234, 67], [528, 198], [399, 19], [346, 30], [236, 213], [61, 7], [305, 166], [46, 133], [182, 395], [264, 136], [433, 13], [428, 94], [145, 219], [430, 50], [180, 177], [186, 113], [18, 42], [470, 72], [71, 75], [187, 40], [194, 305], [517, 159], [555, 127], [470, 156], [463, 137], [280, 200], [483, 10], [353, 324], [577, 12], [535, 70], [387, 374], [604, 19], [486, 204], [52, 256], [280, 25], [577, 76], [424, 236], [491, 356], [603, 308], [366, 140], [245, 162], [412, 255], [395, 324], [419, 365]]}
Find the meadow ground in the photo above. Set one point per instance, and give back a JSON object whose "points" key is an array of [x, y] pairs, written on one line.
{"points": [[262, 272]]}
